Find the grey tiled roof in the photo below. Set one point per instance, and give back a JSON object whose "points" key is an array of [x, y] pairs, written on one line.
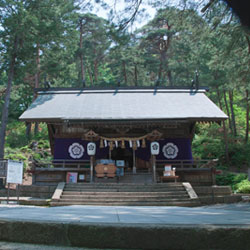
{"points": [[126, 104]]}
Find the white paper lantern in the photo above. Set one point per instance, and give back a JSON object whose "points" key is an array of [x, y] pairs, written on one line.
{"points": [[155, 148], [91, 148]]}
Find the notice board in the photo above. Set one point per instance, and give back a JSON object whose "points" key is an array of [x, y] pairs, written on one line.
{"points": [[15, 172]]}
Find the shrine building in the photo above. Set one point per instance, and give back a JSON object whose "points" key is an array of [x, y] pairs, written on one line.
{"points": [[121, 123]]}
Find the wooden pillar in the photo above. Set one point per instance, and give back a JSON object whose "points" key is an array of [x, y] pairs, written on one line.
{"points": [[134, 162], [110, 153], [154, 168], [91, 168]]}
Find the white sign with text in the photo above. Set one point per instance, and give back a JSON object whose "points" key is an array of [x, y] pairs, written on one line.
{"points": [[15, 172]]}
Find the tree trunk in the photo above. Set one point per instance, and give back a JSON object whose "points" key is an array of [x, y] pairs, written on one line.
{"points": [[6, 104], [160, 73], [96, 71], [124, 73], [227, 109], [247, 116], [169, 74], [37, 81], [90, 76], [224, 129], [81, 56], [232, 112], [136, 75]]}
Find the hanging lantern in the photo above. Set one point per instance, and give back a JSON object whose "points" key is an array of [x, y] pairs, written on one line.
{"points": [[116, 144], [105, 143], [123, 144], [130, 144], [143, 145], [101, 143], [138, 143]]}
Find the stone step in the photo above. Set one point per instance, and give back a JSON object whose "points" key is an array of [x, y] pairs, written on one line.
{"points": [[122, 194], [124, 199], [76, 197], [145, 203], [125, 190], [123, 184], [124, 187]]}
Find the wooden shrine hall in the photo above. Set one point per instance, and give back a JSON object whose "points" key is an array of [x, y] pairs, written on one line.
{"points": [[101, 135]]}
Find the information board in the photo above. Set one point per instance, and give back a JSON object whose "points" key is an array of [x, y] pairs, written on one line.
{"points": [[15, 172]]}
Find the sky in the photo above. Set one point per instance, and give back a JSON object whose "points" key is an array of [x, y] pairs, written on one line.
{"points": [[120, 6]]}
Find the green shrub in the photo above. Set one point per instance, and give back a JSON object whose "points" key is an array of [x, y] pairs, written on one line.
{"points": [[243, 187], [225, 179], [230, 179], [239, 154]]}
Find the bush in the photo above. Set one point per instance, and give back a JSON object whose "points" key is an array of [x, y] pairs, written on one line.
{"points": [[231, 179], [243, 187], [225, 179], [239, 154]]}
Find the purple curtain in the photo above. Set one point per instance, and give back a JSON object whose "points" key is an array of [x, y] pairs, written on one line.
{"points": [[172, 149]]}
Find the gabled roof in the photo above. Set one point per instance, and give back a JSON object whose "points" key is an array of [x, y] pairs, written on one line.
{"points": [[122, 104]]}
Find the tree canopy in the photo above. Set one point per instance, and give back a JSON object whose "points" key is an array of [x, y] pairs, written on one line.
{"points": [[62, 43]]}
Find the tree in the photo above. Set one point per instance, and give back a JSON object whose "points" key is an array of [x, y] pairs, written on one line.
{"points": [[27, 29]]}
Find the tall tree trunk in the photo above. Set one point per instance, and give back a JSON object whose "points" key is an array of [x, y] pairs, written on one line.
{"points": [[124, 73], [227, 109], [169, 74], [224, 128], [160, 73], [5, 111], [232, 112], [90, 76], [136, 75], [247, 116], [37, 81], [81, 56], [96, 71]]}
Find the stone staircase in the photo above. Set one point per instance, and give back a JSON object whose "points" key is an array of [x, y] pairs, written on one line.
{"points": [[121, 194]]}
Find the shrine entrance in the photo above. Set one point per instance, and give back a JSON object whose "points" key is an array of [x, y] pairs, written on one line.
{"points": [[123, 154]]}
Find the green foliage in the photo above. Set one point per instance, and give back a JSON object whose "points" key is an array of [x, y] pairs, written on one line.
{"points": [[16, 135], [243, 187], [225, 179], [231, 179], [166, 51], [207, 144], [239, 154]]}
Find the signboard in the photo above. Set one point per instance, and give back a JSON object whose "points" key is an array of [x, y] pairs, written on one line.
{"points": [[71, 177], [120, 163], [15, 172]]}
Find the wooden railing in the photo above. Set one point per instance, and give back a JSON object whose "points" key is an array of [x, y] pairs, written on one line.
{"points": [[61, 165], [184, 164]]}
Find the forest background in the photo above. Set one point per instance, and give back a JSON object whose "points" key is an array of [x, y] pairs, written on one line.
{"points": [[63, 43]]}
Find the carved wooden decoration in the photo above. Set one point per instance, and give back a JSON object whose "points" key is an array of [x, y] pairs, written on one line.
{"points": [[91, 136], [154, 135]]}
